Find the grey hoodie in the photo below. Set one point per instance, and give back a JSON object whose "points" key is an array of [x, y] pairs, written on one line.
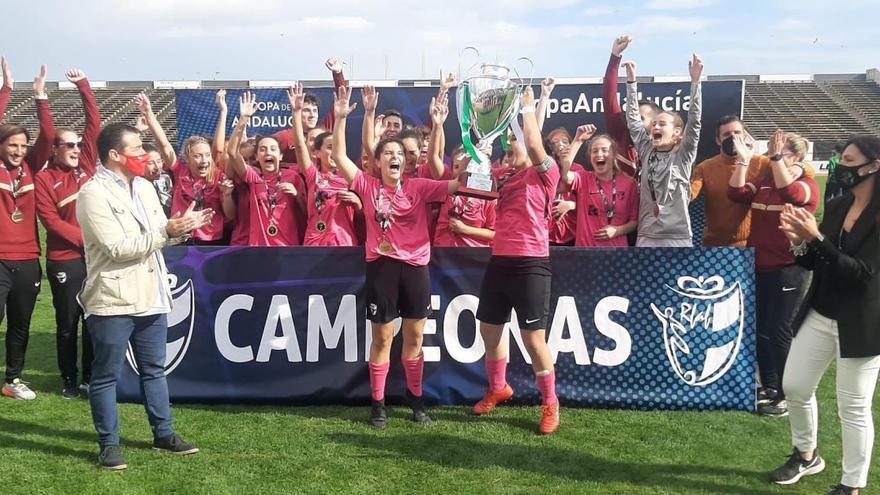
{"points": [[665, 181]]}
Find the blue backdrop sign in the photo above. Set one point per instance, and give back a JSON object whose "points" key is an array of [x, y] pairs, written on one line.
{"points": [[572, 105], [628, 328]]}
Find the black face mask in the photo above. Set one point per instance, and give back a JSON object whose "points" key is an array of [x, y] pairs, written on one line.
{"points": [[849, 177], [727, 146]]}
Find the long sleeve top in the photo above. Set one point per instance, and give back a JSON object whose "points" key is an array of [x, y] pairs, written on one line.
{"points": [[18, 219], [664, 180], [58, 186], [615, 121]]}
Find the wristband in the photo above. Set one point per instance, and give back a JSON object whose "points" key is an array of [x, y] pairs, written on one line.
{"points": [[546, 164], [776, 158], [41, 96], [530, 109]]}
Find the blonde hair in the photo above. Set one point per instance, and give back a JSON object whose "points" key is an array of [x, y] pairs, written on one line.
{"points": [[612, 150], [188, 146]]}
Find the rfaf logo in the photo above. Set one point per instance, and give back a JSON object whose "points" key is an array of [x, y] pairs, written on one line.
{"points": [[703, 331], [180, 326]]}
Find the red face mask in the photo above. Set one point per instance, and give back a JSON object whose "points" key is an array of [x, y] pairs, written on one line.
{"points": [[137, 165]]}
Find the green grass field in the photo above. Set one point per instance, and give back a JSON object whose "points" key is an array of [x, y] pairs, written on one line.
{"points": [[48, 446]]}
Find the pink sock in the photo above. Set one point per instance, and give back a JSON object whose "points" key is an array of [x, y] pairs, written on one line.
{"points": [[413, 369], [378, 375], [547, 386], [497, 372]]}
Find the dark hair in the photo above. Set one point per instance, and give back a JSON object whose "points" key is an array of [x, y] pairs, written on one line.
{"points": [[654, 107], [258, 138], [9, 130], [58, 132], [393, 113], [110, 138], [867, 144], [727, 119], [309, 98], [410, 134], [151, 148], [319, 139], [838, 147], [380, 147]]}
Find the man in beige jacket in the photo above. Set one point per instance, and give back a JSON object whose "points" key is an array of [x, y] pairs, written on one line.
{"points": [[126, 296]]}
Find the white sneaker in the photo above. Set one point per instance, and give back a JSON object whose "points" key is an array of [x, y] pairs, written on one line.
{"points": [[18, 390]]}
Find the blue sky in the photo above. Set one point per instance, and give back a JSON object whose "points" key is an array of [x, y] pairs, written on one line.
{"points": [[288, 40]]}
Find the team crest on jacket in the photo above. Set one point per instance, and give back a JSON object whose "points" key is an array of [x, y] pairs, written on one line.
{"points": [[181, 322], [703, 329]]}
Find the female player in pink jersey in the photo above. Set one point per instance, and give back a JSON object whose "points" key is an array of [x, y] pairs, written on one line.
{"points": [[608, 200], [463, 221], [272, 192], [398, 250], [518, 275], [331, 206], [197, 176]]}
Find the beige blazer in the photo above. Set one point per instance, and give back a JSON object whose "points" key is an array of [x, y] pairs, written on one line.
{"points": [[120, 268]]}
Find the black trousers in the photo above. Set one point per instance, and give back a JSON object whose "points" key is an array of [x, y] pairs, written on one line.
{"points": [[66, 279], [19, 286], [778, 294]]}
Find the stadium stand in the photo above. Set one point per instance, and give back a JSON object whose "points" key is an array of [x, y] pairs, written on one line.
{"points": [[823, 108]]}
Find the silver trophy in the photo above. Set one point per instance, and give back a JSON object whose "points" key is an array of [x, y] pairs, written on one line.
{"points": [[487, 104]]}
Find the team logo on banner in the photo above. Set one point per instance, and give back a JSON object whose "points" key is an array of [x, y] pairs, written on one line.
{"points": [[180, 326], [703, 330]]}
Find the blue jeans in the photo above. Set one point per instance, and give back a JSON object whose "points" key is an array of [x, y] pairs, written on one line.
{"points": [[111, 336]]}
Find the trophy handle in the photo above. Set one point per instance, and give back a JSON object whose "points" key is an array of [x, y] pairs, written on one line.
{"points": [[522, 81], [461, 56]]}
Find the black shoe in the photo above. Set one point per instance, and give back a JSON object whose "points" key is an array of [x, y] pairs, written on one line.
{"points": [[418, 409], [111, 458], [774, 409], [69, 390], [842, 490], [175, 445], [378, 416], [796, 468], [767, 394], [84, 388]]}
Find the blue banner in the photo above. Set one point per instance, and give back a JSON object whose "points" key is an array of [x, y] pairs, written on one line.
{"points": [[629, 328], [572, 105]]}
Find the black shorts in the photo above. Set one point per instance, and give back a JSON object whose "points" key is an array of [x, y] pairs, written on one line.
{"points": [[395, 288], [519, 283]]}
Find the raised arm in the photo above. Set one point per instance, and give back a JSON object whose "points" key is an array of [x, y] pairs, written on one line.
{"points": [[219, 145], [335, 68], [547, 86], [142, 101], [439, 112], [6, 89], [39, 154], [614, 118], [296, 97], [247, 107], [633, 119], [88, 158], [581, 136], [691, 137], [370, 97], [342, 108], [531, 134]]}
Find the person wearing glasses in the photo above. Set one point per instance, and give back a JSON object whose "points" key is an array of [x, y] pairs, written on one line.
{"points": [[20, 271], [57, 186]]}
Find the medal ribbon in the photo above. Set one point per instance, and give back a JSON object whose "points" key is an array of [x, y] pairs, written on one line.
{"points": [[609, 209]]}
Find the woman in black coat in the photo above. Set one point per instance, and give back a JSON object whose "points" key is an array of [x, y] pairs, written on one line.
{"points": [[839, 319]]}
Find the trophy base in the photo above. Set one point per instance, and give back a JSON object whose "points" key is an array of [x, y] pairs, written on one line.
{"points": [[477, 193]]}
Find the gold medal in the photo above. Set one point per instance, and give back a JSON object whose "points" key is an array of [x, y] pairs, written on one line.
{"points": [[321, 226], [272, 230], [17, 216], [385, 247]]}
